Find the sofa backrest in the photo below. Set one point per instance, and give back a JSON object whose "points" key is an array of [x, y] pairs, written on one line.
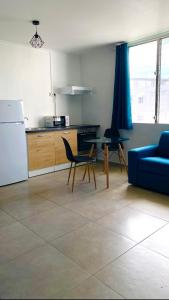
{"points": [[163, 147]]}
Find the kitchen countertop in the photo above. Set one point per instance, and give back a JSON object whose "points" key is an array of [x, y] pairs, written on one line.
{"points": [[40, 129]]}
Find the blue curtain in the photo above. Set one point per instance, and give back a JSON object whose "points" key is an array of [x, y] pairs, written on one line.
{"points": [[121, 117]]}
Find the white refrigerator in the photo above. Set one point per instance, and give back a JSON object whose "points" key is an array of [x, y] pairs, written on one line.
{"points": [[13, 146]]}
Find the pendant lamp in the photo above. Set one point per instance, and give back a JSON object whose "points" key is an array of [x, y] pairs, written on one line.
{"points": [[36, 41]]}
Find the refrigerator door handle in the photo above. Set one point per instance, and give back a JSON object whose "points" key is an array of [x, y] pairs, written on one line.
{"points": [[20, 122]]}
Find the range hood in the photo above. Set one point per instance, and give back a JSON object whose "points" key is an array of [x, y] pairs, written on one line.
{"points": [[74, 90]]}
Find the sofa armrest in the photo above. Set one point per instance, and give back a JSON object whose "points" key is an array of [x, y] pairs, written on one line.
{"points": [[133, 157], [149, 150]]}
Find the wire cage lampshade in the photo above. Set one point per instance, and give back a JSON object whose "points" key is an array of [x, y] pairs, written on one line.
{"points": [[36, 41]]}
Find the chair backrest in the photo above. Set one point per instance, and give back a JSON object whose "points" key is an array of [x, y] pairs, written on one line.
{"points": [[163, 147], [68, 149], [112, 132], [109, 132]]}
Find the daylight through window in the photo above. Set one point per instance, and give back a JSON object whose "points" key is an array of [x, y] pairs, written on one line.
{"points": [[149, 81]]}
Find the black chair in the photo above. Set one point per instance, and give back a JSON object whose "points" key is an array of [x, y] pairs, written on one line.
{"points": [[76, 159], [114, 147]]}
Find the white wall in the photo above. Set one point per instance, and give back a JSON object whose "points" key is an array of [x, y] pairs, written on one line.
{"points": [[66, 71], [97, 67], [143, 134], [25, 74]]}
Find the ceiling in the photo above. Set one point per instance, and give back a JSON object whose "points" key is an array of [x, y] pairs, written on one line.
{"points": [[74, 25]]}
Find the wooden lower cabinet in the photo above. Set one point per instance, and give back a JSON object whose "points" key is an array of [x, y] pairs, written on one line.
{"points": [[46, 149], [71, 136]]}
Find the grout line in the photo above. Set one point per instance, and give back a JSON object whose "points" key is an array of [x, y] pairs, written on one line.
{"points": [[29, 216], [106, 284], [56, 237], [45, 243], [146, 212], [22, 254], [90, 277], [137, 244], [93, 274], [113, 260]]}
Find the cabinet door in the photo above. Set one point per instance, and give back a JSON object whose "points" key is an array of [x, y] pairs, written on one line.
{"points": [[41, 150], [71, 136]]}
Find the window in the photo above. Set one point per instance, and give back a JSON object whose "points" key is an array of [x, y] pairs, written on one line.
{"points": [[164, 83], [149, 81]]}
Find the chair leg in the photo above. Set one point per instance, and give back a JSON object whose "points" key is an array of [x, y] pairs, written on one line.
{"points": [[88, 168], [94, 176], [123, 157], [74, 173], [84, 175], [69, 173]]}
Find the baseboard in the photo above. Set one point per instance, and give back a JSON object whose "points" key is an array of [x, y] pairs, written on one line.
{"points": [[51, 169]]}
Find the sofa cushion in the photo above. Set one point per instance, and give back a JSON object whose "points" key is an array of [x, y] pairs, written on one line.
{"points": [[163, 148], [156, 165]]}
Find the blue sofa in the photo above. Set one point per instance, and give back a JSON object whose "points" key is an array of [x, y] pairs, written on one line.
{"points": [[148, 166]]}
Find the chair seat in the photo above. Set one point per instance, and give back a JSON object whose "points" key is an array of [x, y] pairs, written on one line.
{"points": [[155, 164], [83, 158]]}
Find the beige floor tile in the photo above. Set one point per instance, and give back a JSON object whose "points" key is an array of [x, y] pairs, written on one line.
{"points": [[97, 206], [62, 194], [43, 273], [159, 241], [92, 288], [154, 204], [26, 206], [15, 240], [15, 192], [138, 274], [37, 188], [54, 222], [5, 219], [37, 185], [128, 192], [86, 208], [131, 223], [92, 246], [113, 193], [69, 221]]}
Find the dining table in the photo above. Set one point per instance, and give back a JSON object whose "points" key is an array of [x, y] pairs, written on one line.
{"points": [[106, 142]]}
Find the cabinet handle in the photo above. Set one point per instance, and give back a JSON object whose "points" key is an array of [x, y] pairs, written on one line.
{"points": [[41, 135], [66, 132]]}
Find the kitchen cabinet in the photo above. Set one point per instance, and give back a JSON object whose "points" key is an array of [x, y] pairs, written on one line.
{"points": [[41, 150], [71, 136], [46, 149]]}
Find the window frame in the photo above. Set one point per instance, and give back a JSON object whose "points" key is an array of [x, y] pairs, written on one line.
{"points": [[157, 75]]}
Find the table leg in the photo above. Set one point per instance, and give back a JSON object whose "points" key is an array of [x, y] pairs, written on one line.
{"points": [[106, 163], [119, 155], [123, 157]]}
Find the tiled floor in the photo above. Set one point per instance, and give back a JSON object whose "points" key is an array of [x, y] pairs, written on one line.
{"points": [[101, 244]]}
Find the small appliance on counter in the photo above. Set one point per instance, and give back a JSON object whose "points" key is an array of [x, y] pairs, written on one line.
{"points": [[57, 121]]}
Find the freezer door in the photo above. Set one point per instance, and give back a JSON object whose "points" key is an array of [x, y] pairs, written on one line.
{"points": [[11, 111], [13, 153]]}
